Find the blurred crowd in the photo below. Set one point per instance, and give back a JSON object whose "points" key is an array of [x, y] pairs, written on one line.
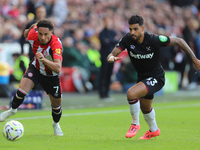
{"points": [[78, 24]]}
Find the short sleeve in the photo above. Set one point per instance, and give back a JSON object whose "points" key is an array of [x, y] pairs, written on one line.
{"points": [[121, 43], [161, 40], [57, 49], [32, 33]]}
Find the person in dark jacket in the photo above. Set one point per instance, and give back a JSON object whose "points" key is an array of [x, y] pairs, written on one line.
{"points": [[108, 38]]}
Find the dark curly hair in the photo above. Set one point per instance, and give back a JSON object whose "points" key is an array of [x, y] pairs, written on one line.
{"points": [[136, 19], [45, 23]]}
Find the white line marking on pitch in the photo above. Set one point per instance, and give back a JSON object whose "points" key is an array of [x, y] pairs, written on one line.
{"points": [[111, 111]]}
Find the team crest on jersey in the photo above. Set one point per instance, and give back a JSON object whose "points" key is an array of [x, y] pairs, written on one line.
{"points": [[30, 74], [148, 48], [132, 46], [45, 53]]}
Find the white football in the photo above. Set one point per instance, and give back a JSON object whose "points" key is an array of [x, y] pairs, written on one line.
{"points": [[13, 130]]}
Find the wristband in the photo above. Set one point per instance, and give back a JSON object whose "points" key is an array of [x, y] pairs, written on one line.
{"points": [[111, 56]]}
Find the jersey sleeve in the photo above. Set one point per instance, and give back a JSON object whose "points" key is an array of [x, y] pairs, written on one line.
{"points": [[57, 49], [121, 43], [161, 40], [32, 33]]}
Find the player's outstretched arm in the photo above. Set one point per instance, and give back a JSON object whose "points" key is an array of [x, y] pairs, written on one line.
{"points": [[174, 41], [113, 55], [27, 30]]}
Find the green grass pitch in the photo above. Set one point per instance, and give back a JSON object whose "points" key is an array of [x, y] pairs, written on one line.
{"points": [[104, 128]]}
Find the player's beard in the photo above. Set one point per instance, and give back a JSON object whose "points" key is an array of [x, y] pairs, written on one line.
{"points": [[136, 37]]}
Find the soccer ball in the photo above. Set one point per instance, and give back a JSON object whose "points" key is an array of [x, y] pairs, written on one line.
{"points": [[13, 130]]}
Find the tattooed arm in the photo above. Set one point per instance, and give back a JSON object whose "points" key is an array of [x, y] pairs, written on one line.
{"points": [[174, 41], [113, 55]]}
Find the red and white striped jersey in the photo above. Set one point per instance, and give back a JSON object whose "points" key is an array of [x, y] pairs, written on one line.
{"points": [[52, 50]]}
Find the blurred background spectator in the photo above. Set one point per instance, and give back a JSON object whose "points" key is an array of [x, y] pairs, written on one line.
{"points": [[108, 38], [78, 24], [21, 64], [39, 13]]}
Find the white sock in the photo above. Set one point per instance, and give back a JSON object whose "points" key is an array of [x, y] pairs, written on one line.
{"points": [[135, 111], [151, 121], [55, 123], [13, 110]]}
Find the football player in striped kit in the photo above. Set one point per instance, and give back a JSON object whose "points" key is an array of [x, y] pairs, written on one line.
{"points": [[44, 69]]}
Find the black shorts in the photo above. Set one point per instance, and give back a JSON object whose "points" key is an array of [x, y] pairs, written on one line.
{"points": [[153, 85], [51, 84]]}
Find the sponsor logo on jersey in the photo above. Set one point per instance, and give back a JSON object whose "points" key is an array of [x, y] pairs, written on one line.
{"points": [[58, 51], [140, 56], [163, 38], [132, 46]]}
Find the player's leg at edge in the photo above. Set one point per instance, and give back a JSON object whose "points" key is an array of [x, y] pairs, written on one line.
{"points": [[56, 114], [149, 117], [134, 110], [17, 101], [24, 87], [137, 90]]}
